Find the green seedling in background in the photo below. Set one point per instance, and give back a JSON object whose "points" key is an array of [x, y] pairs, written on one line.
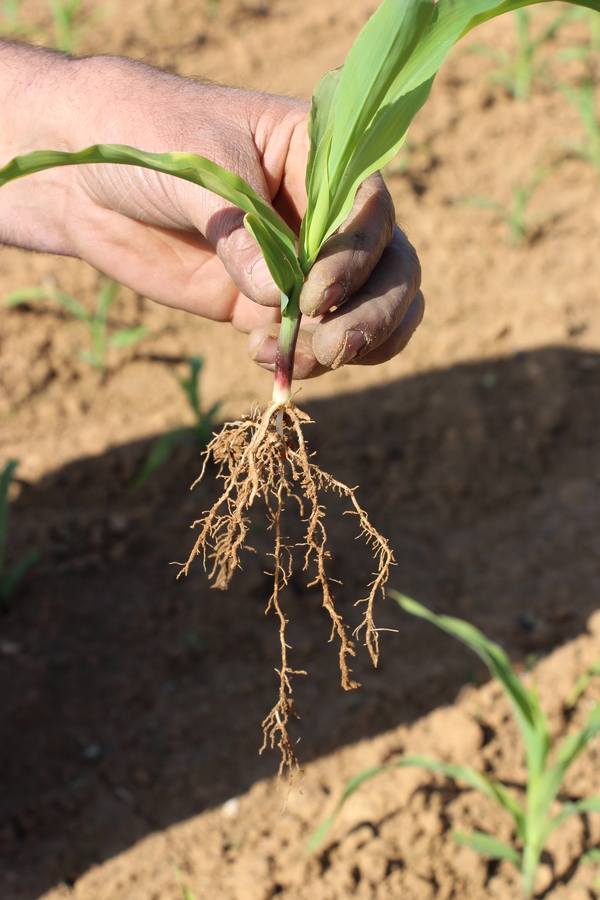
{"points": [[590, 49], [198, 434], [583, 98], [68, 23], [96, 322], [67, 27], [185, 891], [532, 820], [518, 71], [9, 579], [515, 214], [581, 684], [11, 22]]}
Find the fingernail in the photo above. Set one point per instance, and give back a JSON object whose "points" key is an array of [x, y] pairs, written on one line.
{"points": [[331, 297], [353, 344], [260, 275], [266, 350]]}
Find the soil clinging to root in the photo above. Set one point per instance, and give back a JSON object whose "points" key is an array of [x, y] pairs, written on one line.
{"points": [[266, 456]]}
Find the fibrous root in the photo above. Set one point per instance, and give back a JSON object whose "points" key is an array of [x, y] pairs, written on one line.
{"points": [[266, 456]]}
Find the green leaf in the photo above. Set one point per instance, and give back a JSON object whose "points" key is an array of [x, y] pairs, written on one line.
{"points": [[322, 113], [577, 808], [6, 477], [592, 856], [378, 54], [9, 582], [90, 358], [552, 779], [493, 789], [581, 684], [125, 337], [351, 786], [106, 297], [189, 166], [531, 720], [185, 891], [29, 294], [191, 384], [383, 139], [159, 454], [487, 846], [279, 257]]}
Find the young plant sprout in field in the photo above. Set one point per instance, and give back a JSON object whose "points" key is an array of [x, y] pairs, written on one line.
{"points": [[199, 433], [517, 71], [583, 98], [531, 817], [359, 119], [589, 51], [67, 23], [520, 229], [186, 894], [11, 22], [96, 322], [10, 578]]}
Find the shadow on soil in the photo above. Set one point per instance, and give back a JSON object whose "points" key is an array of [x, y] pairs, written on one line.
{"points": [[130, 700]]}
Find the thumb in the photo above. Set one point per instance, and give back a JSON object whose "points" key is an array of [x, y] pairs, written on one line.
{"points": [[241, 256]]}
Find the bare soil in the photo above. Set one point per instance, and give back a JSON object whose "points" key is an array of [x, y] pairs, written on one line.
{"points": [[131, 703]]}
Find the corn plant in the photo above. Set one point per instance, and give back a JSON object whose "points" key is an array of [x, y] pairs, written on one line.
{"points": [[532, 819], [67, 28], [514, 215], [10, 578], [359, 119], [583, 98], [591, 49], [199, 433], [186, 894], [96, 322], [68, 23], [11, 22], [517, 71]]}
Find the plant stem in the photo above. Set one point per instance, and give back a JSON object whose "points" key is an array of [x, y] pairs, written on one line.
{"points": [[286, 346], [531, 858]]}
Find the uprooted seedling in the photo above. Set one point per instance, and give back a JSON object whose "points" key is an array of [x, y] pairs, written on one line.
{"points": [[266, 456], [359, 118]]}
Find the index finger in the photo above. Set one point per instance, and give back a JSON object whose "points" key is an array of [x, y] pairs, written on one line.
{"points": [[350, 255]]}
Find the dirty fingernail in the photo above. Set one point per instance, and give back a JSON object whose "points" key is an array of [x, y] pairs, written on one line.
{"points": [[266, 350], [353, 344], [332, 296], [260, 275]]}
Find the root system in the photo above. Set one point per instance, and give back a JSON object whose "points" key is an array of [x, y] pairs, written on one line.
{"points": [[265, 455]]}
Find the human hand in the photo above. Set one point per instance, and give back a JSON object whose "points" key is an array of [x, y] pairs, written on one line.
{"points": [[187, 248]]}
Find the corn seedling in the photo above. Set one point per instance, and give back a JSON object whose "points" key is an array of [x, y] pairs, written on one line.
{"points": [[583, 98], [359, 119], [514, 215], [68, 23], [517, 71], [199, 433], [581, 685], [532, 819], [67, 29], [11, 22], [10, 578], [186, 894], [96, 322], [591, 49]]}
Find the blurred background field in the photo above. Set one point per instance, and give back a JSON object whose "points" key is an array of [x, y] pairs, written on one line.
{"points": [[131, 703]]}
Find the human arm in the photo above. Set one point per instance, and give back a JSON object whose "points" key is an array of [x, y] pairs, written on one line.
{"points": [[177, 243]]}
